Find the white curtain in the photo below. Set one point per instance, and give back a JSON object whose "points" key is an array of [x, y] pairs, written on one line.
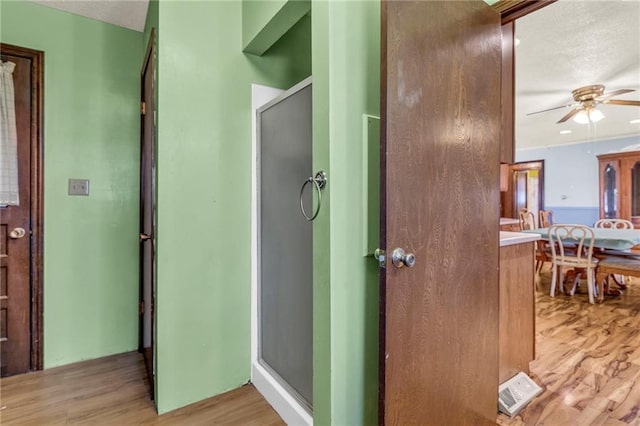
{"points": [[8, 138]]}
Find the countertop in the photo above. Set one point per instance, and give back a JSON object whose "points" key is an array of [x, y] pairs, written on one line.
{"points": [[508, 221], [512, 238]]}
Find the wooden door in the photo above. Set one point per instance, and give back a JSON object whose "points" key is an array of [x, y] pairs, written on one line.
{"points": [[147, 215], [520, 190], [440, 110], [20, 248]]}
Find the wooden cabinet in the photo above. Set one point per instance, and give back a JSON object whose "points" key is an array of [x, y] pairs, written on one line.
{"points": [[504, 177], [620, 186], [517, 309]]}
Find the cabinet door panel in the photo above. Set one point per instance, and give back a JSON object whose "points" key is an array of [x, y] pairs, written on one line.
{"points": [[609, 189]]}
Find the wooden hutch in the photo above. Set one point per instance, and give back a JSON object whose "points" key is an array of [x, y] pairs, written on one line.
{"points": [[620, 186]]}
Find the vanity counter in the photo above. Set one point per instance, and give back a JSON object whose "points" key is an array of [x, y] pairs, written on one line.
{"points": [[517, 303], [510, 238]]}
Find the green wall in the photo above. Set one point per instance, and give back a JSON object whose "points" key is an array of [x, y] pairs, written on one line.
{"points": [[204, 192], [346, 65], [265, 21], [91, 131]]}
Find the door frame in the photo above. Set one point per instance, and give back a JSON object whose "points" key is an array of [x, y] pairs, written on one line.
{"points": [[509, 11], [510, 195], [37, 198], [149, 56]]}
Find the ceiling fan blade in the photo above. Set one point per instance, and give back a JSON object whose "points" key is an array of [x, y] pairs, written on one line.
{"points": [[570, 115], [554, 108], [621, 102], [614, 93], [537, 92]]}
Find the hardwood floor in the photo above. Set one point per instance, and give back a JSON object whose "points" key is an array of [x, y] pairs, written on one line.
{"points": [[113, 391], [587, 359]]}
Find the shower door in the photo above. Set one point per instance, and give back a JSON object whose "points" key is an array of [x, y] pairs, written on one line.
{"points": [[285, 271]]}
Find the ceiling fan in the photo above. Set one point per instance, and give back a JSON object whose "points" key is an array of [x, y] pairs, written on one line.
{"points": [[586, 98]]}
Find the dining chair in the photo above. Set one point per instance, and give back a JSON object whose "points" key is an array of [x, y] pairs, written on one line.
{"points": [[543, 254], [572, 247], [612, 266], [613, 224], [546, 218], [543, 250], [527, 220]]}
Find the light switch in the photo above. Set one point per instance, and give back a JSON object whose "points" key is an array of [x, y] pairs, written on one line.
{"points": [[78, 186]]}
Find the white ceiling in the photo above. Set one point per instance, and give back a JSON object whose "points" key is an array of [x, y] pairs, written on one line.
{"points": [[567, 45], [130, 14]]}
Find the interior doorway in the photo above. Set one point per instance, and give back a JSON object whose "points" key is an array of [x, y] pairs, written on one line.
{"points": [[21, 250], [525, 188]]}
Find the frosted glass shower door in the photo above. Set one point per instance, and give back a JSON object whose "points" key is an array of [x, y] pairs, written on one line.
{"points": [[285, 274]]}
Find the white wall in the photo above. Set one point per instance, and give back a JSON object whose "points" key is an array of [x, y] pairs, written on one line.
{"points": [[571, 176]]}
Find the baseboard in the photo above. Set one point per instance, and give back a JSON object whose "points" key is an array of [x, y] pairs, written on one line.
{"points": [[285, 405]]}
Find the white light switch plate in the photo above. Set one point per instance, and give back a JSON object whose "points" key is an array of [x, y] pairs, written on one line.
{"points": [[78, 186]]}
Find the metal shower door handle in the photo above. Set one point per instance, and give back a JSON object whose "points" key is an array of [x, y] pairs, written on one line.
{"points": [[319, 182]]}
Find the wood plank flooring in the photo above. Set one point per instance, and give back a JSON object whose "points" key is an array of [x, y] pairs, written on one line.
{"points": [[588, 362], [113, 391], [587, 359]]}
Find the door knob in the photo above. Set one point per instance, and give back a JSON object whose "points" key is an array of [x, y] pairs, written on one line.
{"points": [[17, 233], [400, 258], [145, 237]]}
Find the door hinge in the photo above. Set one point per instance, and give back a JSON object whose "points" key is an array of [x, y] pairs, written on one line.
{"points": [[143, 108], [141, 308]]}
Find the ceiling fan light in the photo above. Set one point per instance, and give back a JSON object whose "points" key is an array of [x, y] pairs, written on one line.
{"points": [[585, 116], [581, 117], [595, 115]]}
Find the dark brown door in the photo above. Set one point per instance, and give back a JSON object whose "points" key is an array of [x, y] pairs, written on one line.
{"points": [[19, 224], [147, 213], [520, 190], [441, 64]]}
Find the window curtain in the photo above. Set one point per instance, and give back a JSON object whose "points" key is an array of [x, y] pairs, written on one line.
{"points": [[8, 138]]}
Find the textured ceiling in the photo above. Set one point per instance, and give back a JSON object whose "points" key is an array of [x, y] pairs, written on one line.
{"points": [[567, 45], [125, 13]]}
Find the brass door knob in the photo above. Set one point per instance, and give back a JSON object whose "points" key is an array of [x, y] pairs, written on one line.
{"points": [[17, 233]]}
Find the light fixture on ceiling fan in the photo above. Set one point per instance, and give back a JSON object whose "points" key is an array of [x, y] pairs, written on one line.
{"points": [[586, 99], [588, 114]]}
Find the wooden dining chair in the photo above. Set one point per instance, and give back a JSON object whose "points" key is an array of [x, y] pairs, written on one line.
{"points": [[527, 220], [611, 266], [546, 218], [613, 224], [543, 250], [572, 247]]}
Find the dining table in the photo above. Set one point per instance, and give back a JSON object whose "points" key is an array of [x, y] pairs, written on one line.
{"points": [[614, 252], [618, 240]]}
